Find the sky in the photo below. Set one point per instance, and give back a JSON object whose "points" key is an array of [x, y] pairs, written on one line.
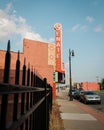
{"points": [[82, 31]]}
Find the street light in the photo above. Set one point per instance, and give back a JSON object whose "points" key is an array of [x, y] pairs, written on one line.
{"points": [[71, 53]]}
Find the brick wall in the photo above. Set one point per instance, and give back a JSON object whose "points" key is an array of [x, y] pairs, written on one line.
{"points": [[36, 53], [90, 86]]}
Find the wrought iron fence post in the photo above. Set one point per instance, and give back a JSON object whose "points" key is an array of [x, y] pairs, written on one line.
{"points": [[27, 97], [17, 74], [24, 73], [23, 94], [33, 114], [7, 64], [31, 102], [4, 103], [50, 98], [46, 108]]}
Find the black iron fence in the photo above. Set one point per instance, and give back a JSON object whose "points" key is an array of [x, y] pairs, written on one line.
{"points": [[26, 106]]}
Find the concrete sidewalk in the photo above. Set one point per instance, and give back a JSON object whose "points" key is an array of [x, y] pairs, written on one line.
{"points": [[78, 116]]}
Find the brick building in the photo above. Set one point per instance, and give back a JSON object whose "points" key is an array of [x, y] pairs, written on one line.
{"points": [[44, 58], [88, 86], [40, 56]]}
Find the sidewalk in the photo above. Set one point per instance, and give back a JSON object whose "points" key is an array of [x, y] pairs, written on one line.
{"points": [[78, 116]]}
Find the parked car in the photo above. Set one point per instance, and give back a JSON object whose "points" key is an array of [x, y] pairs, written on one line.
{"points": [[89, 97], [72, 92], [76, 94]]}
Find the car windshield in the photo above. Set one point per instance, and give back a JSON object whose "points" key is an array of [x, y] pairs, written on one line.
{"points": [[90, 93]]}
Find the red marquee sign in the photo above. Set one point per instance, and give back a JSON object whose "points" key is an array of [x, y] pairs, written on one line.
{"points": [[58, 38]]}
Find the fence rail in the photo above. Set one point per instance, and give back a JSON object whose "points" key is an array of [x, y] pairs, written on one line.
{"points": [[24, 107]]}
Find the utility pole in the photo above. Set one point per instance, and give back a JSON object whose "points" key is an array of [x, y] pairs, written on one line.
{"points": [[71, 53]]}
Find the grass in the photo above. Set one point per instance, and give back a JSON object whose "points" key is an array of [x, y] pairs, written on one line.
{"points": [[100, 90], [56, 122]]}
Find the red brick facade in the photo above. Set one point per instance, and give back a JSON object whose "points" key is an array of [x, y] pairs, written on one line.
{"points": [[36, 53], [90, 86]]}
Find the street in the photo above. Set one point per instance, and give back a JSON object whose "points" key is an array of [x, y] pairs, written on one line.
{"points": [[76, 115], [98, 107]]}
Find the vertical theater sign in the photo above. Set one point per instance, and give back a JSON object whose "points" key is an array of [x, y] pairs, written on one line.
{"points": [[59, 70]]}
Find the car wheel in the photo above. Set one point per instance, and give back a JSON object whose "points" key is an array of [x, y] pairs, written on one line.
{"points": [[80, 100], [85, 102], [99, 102]]}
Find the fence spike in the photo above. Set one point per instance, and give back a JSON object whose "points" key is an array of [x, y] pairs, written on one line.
{"points": [[29, 65], [25, 61], [18, 55], [8, 46], [32, 67], [24, 72]]}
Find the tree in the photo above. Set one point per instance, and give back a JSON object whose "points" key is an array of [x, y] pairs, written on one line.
{"points": [[102, 83]]}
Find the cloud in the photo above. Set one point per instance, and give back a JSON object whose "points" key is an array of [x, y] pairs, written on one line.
{"points": [[83, 28], [75, 27], [8, 7], [89, 19], [11, 24], [79, 27], [32, 35], [98, 28], [51, 40]]}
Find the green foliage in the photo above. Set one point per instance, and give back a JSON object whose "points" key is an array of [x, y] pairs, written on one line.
{"points": [[102, 83]]}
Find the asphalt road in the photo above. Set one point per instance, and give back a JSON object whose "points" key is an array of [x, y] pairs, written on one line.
{"points": [[99, 107], [73, 111]]}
